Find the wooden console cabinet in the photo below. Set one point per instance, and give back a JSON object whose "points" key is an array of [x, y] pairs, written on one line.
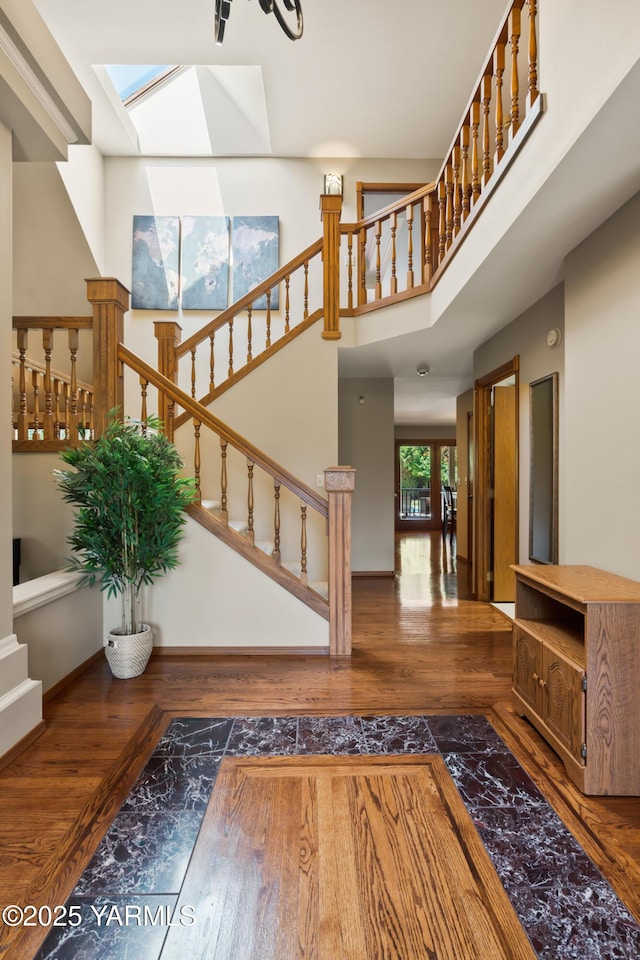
{"points": [[576, 671]]}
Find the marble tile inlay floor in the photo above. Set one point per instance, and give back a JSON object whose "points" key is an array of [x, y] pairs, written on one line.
{"points": [[566, 907]]}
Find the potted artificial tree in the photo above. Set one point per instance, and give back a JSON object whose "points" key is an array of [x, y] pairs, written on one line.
{"points": [[130, 504]]}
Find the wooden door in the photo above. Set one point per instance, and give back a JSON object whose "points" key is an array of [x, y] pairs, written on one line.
{"points": [[505, 514], [526, 668], [564, 707]]}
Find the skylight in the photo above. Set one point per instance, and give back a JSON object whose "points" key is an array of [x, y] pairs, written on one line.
{"points": [[131, 79]]}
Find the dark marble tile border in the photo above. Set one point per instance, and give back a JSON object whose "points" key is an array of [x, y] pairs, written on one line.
{"points": [[565, 905]]}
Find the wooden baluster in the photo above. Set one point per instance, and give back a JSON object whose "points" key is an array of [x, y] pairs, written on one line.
{"points": [[350, 271], [362, 289], [303, 543], [533, 55], [287, 326], [91, 424], [442, 220], [171, 412], [486, 134], [305, 313], [276, 522], [378, 261], [268, 342], [35, 413], [67, 404], [193, 373], [230, 372], [57, 390], [47, 346], [498, 69], [212, 361], [475, 155], [393, 287], [466, 186], [410, 277], [224, 513], [448, 179], [427, 271], [457, 191], [249, 333], [23, 416], [81, 414], [514, 32], [251, 537], [144, 386], [196, 459], [73, 386]]}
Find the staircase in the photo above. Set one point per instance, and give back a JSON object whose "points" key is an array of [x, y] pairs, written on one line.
{"points": [[284, 528]]}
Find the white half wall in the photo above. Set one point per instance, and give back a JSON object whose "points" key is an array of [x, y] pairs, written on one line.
{"points": [[216, 598]]}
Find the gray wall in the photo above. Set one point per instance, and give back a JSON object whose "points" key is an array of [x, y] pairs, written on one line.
{"points": [[365, 441]]}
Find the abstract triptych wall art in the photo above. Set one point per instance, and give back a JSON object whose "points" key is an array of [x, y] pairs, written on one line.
{"points": [[196, 262]]}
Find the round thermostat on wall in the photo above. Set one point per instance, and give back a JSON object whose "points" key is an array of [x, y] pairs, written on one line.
{"points": [[554, 337]]}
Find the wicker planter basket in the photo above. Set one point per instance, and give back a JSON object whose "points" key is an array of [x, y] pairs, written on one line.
{"points": [[128, 655]]}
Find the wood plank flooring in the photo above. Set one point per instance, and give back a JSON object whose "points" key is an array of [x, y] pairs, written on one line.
{"points": [[358, 857], [420, 646]]}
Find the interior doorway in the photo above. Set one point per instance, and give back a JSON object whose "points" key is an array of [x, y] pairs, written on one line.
{"points": [[423, 467], [495, 503]]}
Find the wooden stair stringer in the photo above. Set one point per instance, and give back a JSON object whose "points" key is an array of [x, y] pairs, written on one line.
{"points": [[279, 574]]}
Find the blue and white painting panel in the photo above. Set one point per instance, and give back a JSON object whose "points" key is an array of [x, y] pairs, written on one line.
{"points": [[255, 253], [205, 263], [155, 271]]}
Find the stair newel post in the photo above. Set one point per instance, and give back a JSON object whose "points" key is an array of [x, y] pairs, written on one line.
{"points": [[331, 208], [168, 334], [339, 482], [110, 301]]}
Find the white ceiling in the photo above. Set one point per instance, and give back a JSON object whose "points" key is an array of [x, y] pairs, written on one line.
{"points": [[370, 79]]}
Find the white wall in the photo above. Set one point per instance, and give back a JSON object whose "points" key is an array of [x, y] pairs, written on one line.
{"points": [[83, 177], [600, 455], [51, 254], [366, 443], [526, 336], [216, 598], [40, 517], [6, 283]]}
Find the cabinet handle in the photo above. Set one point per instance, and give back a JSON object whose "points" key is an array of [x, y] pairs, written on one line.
{"points": [[542, 682], [535, 676]]}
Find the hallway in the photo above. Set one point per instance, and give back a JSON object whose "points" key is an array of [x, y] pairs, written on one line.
{"points": [[420, 647]]}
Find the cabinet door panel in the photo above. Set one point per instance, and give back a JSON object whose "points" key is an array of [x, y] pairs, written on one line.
{"points": [[526, 668], [565, 700]]}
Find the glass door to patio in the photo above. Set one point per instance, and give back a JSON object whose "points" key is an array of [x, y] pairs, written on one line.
{"points": [[421, 470]]}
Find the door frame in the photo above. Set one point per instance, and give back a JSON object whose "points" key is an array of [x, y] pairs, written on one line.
{"points": [[435, 523], [482, 525]]}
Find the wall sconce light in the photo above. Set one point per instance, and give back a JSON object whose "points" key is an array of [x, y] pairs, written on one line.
{"points": [[423, 370], [333, 184]]}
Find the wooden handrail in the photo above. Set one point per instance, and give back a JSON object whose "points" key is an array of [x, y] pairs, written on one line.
{"points": [[52, 323], [203, 415], [415, 197], [248, 299]]}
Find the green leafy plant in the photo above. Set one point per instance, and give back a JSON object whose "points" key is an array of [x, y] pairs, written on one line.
{"points": [[130, 503]]}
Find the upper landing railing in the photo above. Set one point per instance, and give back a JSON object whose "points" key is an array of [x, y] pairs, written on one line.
{"points": [[403, 250]]}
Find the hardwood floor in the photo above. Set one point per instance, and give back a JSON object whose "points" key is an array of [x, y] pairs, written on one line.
{"points": [[421, 645]]}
